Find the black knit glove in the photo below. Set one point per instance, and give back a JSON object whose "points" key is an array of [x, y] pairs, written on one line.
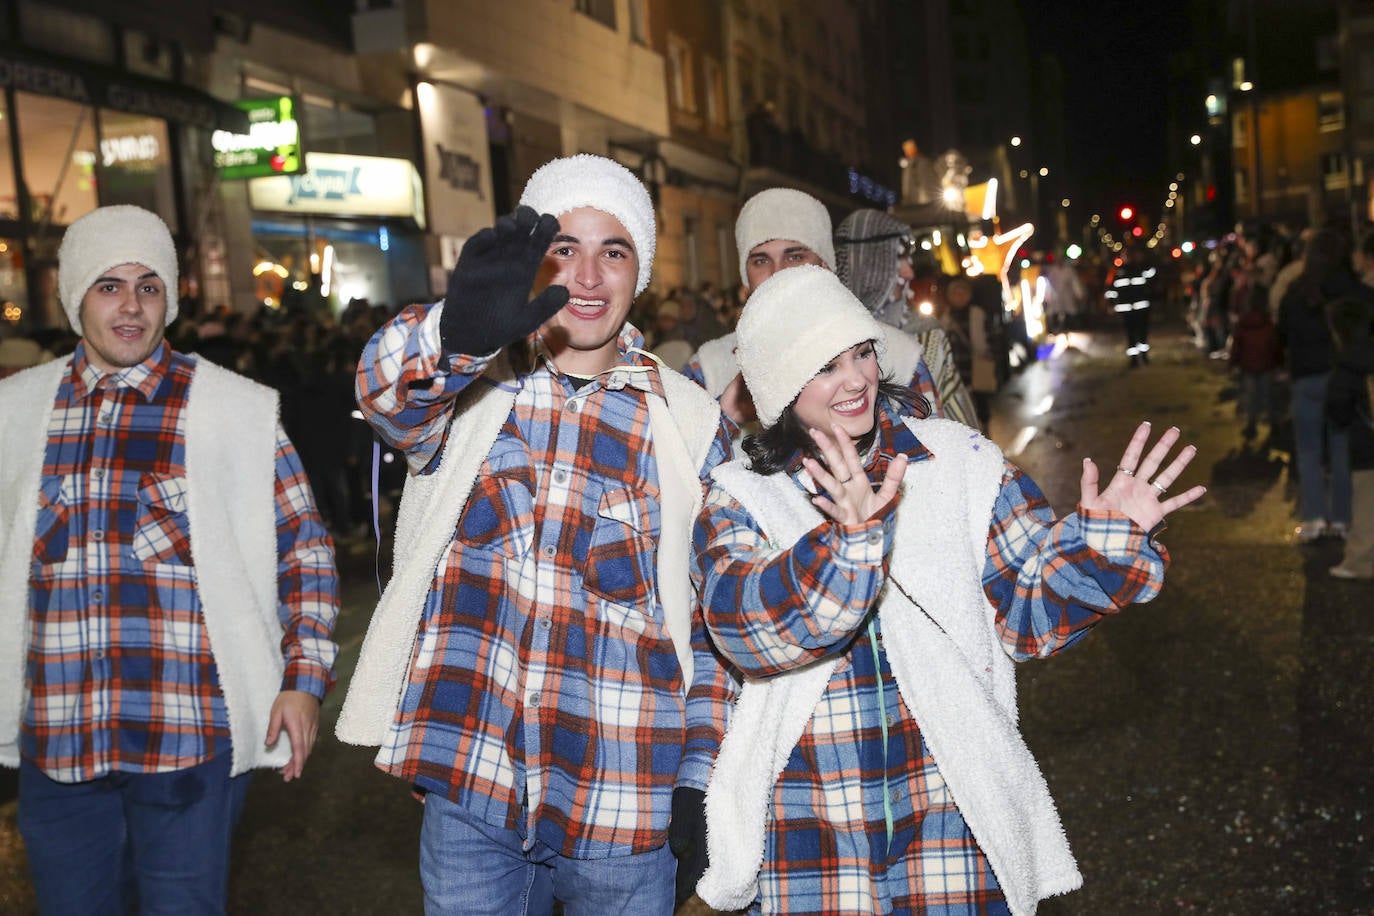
{"points": [[488, 304], [687, 840]]}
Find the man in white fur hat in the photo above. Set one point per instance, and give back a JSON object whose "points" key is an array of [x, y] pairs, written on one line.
{"points": [[536, 667], [777, 229], [167, 592]]}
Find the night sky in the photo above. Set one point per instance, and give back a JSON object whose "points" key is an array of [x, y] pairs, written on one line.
{"points": [[1114, 55]]}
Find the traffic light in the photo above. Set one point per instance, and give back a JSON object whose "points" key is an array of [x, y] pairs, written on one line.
{"points": [[1127, 213]]}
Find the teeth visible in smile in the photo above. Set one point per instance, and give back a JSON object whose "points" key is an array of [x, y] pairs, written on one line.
{"points": [[850, 405], [594, 303]]}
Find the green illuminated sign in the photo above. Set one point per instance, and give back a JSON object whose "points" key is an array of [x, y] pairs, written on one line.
{"points": [[272, 145]]}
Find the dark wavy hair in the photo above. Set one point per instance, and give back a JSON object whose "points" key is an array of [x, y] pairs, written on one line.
{"points": [[774, 448]]}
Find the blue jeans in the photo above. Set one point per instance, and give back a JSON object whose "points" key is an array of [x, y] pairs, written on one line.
{"points": [[470, 867], [1316, 498], [158, 839]]}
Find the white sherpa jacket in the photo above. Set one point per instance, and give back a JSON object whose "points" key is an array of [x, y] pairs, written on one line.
{"points": [[951, 671], [231, 438], [432, 503]]}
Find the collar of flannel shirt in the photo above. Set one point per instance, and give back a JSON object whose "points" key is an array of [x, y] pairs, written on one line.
{"points": [[143, 378], [634, 369]]}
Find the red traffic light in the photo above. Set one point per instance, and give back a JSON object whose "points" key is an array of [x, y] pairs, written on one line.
{"points": [[1126, 214]]}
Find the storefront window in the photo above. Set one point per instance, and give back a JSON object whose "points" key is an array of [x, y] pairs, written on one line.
{"points": [[14, 298], [335, 263], [9, 197], [134, 165], [331, 128], [59, 149]]}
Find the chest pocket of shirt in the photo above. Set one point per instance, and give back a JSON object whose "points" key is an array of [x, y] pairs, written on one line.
{"points": [[51, 533], [499, 515], [164, 532], [621, 554]]}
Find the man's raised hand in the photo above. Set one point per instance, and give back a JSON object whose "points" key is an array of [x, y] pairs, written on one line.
{"points": [[488, 304]]}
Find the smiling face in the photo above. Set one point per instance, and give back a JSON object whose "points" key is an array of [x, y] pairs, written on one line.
{"points": [[594, 257], [123, 317], [843, 392], [767, 258]]}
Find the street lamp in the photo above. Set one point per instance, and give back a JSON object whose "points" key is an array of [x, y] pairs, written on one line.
{"points": [[1195, 139], [1015, 141]]}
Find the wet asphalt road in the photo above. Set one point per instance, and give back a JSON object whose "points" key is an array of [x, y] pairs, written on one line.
{"points": [[1211, 752]]}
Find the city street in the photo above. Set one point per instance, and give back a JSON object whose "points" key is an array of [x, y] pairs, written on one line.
{"points": [[1210, 752]]}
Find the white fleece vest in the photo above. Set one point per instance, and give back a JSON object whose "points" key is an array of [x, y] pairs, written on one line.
{"points": [[230, 469], [951, 671], [718, 364], [432, 503]]}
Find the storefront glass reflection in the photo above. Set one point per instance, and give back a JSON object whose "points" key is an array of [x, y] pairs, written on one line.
{"points": [[57, 138], [134, 163], [323, 268]]}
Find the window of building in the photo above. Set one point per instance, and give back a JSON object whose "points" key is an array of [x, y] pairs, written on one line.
{"points": [[768, 90], [691, 257], [725, 250], [747, 95], [1330, 111], [134, 163], [58, 144], [639, 21], [146, 55], [716, 112], [70, 34], [331, 127], [9, 197], [1333, 171], [1240, 129], [603, 11], [680, 77]]}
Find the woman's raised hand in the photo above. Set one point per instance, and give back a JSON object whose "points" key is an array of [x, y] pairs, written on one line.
{"points": [[1138, 488], [848, 496]]}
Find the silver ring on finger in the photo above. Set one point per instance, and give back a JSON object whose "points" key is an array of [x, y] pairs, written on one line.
{"points": [[847, 479], [1158, 486], [1128, 473]]}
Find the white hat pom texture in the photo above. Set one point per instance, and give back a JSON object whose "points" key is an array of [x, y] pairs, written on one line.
{"points": [[108, 237], [794, 323], [585, 180]]}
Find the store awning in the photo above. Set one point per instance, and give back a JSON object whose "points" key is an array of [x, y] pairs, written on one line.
{"points": [[106, 87]]}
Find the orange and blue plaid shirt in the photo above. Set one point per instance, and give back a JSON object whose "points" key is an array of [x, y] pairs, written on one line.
{"points": [[544, 693], [862, 738], [121, 675]]}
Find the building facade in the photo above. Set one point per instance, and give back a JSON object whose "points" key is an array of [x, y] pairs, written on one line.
{"points": [[142, 104]]}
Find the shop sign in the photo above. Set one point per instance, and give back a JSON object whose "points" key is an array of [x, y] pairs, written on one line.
{"points": [[105, 87], [338, 185], [457, 164], [138, 150], [272, 145]]}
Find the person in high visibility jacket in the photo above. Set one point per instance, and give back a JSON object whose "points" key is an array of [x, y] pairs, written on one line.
{"points": [[1133, 291]]}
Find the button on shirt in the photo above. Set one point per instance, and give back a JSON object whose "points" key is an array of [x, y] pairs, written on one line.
{"points": [[544, 694], [120, 671]]}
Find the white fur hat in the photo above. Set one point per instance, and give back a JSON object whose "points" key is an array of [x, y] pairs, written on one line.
{"points": [[108, 237], [793, 324], [585, 180], [782, 213]]}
